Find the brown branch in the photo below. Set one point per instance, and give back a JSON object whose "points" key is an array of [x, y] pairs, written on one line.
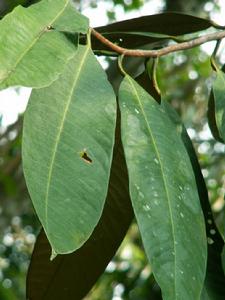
{"points": [[157, 53]]}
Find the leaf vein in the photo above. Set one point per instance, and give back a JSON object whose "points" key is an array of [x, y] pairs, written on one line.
{"points": [[161, 168], [61, 126], [36, 38]]}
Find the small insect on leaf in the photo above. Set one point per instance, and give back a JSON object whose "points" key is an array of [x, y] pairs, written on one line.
{"points": [[49, 28], [85, 157]]}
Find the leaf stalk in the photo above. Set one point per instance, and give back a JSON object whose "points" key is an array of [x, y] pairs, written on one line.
{"points": [[160, 52]]}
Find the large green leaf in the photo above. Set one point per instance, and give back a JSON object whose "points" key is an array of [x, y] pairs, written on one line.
{"points": [[33, 50], [164, 23], [216, 111], [164, 194], [72, 276], [214, 287], [67, 150], [140, 31]]}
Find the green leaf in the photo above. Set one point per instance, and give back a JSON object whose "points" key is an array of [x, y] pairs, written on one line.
{"points": [[164, 23], [212, 118], [223, 259], [214, 287], [33, 50], [164, 194], [148, 80], [216, 108], [132, 40], [137, 32], [7, 6], [67, 150], [205, 295], [72, 276]]}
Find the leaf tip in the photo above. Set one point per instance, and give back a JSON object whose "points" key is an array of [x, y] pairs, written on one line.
{"points": [[53, 255]]}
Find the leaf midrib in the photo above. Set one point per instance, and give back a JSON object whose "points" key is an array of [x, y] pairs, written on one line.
{"points": [[61, 126], [163, 176], [36, 38]]}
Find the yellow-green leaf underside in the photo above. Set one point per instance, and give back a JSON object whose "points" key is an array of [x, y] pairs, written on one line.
{"points": [[33, 46]]}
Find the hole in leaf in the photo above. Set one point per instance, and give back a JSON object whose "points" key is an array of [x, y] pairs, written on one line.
{"points": [[85, 156]]}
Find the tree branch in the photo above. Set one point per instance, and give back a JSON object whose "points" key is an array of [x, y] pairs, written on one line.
{"points": [[160, 52]]}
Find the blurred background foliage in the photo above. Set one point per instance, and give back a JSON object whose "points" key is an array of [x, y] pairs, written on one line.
{"points": [[184, 79]]}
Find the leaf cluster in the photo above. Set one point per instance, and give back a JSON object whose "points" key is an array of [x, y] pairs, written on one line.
{"points": [[94, 157]]}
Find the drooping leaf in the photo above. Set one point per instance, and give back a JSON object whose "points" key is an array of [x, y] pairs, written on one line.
{"points": [[214, 283], [147, 80], [33, 48], [214, 288], [212, 118], [67, 150], [165, 23], [164, 194], [216, 108], [223, 259], [132, 40], [71, 276], [140, 31]]}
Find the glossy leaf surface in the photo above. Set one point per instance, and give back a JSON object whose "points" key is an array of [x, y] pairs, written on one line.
{"points": [[72, 276], [164, 194], [214, 288], [33, 49], [164, 23], [67, 150], [132, 40], [143, 30], [216, 111]]}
